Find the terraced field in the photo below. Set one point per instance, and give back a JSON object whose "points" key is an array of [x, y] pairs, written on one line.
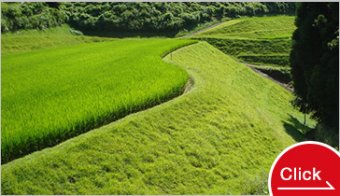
{"points": [[219, 138], [53, 94], [267, 27], [264, 42]]}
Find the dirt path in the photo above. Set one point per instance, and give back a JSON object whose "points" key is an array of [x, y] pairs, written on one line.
{"points": [[202, 30]]}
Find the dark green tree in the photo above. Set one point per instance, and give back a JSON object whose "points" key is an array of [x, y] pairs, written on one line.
{"points": [[137, 17], [315, 61]]}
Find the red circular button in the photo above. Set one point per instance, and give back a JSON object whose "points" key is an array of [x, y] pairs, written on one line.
{"points": [[306, 168]]}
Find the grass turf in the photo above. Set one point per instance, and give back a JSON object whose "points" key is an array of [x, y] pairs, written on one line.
{"points": [[219, 138], [54, 94], [274, 51], [255, 40], [267, 27]]}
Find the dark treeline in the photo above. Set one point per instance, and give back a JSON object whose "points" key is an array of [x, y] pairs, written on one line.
{"points": [[16, 16], [315, 61], [129, 16]]}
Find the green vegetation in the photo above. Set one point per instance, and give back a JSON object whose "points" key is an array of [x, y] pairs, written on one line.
{"points": [[315, 64], [28, 40], [262, 41], [200, 27], [272, 27], [16, 16], [53, 94], [274, 51], [276, 59], [219, 138], [115, 18]]}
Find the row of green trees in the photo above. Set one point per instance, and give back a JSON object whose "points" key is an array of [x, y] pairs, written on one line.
{"points": [[315, 61], [15, 16], [129, 16]]}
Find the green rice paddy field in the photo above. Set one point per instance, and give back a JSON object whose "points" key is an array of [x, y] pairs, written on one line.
{"points": [[220, 137], [51, 95]]}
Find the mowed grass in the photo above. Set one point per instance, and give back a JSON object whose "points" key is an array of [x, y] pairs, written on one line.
{"points": [[219, 138], [261, 41], [28, 40], [51, 95], [274, 51], [271, 27]]}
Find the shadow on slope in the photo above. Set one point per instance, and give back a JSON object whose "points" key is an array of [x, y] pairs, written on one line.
{"points": [[298, 130]]}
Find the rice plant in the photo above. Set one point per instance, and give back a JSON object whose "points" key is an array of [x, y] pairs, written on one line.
{"points": [[53, 94]]}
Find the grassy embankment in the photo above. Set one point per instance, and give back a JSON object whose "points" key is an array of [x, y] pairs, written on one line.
{"points": [[262, 41], [219, 138], [53, 94]]}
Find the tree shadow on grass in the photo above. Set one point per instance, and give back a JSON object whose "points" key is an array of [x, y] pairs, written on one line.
{"points": [[298, 130]]}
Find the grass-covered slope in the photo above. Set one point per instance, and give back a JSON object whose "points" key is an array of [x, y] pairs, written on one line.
{"points": [[28, 40], [51, 95], [267, 27], [219, 138], [261, 41], [274, 51]]}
